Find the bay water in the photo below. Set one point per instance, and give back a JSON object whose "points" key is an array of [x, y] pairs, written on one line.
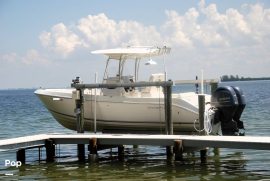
{"points": [[21, 114]]}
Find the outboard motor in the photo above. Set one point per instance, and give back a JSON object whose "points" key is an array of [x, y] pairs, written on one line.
{"points": [[241, 106], [229, 103]]}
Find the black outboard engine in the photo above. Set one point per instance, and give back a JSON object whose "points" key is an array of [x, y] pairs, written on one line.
{"points": [[229, 103], [241, 106]]}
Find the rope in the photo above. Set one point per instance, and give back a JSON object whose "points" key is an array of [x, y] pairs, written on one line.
{"points": [[194, 124], [208, 112], [207, 120], [159, 107]]}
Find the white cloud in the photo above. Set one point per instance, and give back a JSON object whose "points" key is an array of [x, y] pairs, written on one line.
{"points": [[100, 31], [174, 28], [201, 36], [202, 26], [259, 22], [61, 39], [236, 22], [10, 57], [97, 31], [32, 56]]}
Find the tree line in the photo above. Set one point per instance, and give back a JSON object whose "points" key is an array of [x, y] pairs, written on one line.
{"points": [[225, 78]]}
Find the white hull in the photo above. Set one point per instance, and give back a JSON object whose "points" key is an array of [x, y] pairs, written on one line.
{"points": [[122, 113]]}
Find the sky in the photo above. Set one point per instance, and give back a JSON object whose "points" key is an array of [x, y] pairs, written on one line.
{"points": [[48, 43]]}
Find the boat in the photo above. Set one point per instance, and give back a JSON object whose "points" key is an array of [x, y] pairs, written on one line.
{"points": [[139, 110]]}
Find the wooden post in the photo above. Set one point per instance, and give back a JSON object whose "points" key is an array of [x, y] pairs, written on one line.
{"points": [[50, 150], [216, 151], [21, 155], [168, 109], [81, 152], [168, 116], [201, 99], [121, 152], [95, 106], [178, 150], [203, 154], [92, 148], [80, 123], [78, 111]]}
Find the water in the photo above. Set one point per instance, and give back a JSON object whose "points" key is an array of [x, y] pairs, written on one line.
{"points": [[21, 113]]}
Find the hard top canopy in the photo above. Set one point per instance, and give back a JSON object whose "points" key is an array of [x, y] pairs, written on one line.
{"points": [[133, 52]]}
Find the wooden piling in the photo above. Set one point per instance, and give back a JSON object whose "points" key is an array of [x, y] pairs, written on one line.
{"points": [[78, 111], [81, 152], [121, 152], [216, 151], [178, 150], [168, 109], [80, 122], [50, 150], [203, 154], [21, 155], [201, 99], [92, 146], [168, 116], [93, 150]]}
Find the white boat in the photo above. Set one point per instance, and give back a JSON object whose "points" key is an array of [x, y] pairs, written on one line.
{"points": [[125, 110]]}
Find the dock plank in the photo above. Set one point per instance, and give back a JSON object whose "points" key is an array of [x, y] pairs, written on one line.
{"points": [[238, 142], [23, 142]]}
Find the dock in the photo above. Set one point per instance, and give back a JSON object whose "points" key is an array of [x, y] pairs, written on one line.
{"points": [[97, 142], [237, 142]]}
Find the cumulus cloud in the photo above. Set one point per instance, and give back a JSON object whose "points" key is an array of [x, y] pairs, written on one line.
{"points": [[258, 19], [100, 31], [32, 56], [10, 57], [236, 28], [201, 33], [201, 26], [61, 39], [174, 29], [97, 31]]}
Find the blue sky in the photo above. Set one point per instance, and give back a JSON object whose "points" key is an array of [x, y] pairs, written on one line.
{"points": [[48, 43]]}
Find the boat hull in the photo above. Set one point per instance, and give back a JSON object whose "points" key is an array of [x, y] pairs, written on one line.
{"points": [[122, 114]]}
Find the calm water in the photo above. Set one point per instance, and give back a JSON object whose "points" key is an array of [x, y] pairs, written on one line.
{"points": [[21, 113]]}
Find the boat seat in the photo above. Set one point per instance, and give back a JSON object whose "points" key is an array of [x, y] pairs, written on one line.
{"points": [[119, 91], [147, 91], [157, 77]]}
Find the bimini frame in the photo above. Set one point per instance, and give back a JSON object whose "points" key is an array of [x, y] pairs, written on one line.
{"points": [[134, 53]]}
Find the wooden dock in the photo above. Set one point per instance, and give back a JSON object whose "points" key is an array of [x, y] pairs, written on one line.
{"points": [[237, 142], [98, 141]]}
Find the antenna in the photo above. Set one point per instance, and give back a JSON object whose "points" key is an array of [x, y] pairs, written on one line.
{"points": [[164, 65], [202, 82]]}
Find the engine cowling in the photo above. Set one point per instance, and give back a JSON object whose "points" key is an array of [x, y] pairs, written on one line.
{"points": [[229, 103], [241, 106]]}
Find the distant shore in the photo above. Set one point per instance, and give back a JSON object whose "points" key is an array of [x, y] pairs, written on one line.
{"points": [[229, 78]]}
